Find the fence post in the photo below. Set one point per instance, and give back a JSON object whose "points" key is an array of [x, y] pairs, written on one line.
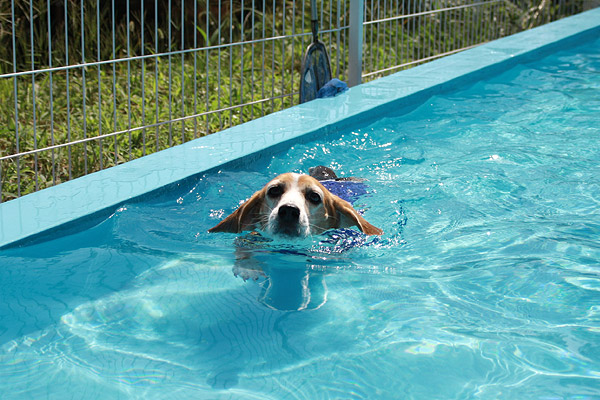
{"points": [[356, 42]]}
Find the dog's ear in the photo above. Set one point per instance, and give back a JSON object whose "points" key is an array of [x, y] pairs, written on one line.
{"points": [[348, 217], [244, 218]]}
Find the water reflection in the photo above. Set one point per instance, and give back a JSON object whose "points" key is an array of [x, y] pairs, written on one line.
{"points": [[289, 277], [292, 274]]}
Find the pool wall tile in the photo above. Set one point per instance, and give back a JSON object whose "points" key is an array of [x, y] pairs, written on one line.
{"points": [[85, 201]]}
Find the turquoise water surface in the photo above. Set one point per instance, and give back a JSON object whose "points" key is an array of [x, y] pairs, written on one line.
{"points": [[486, 283]]}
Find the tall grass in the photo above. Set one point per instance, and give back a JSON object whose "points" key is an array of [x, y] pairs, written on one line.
{"points": [[140, 97]]}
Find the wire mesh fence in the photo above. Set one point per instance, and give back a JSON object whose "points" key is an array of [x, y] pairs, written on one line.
{"points": [[89, 84], [401, 34]]}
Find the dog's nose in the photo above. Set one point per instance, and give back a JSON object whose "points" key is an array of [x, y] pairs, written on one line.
{"points": [[289, 213]]}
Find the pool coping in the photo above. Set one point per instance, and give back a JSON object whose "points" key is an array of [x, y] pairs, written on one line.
{"points": [[82, 202]]}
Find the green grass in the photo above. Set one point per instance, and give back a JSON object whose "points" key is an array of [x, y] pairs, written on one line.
{"points": [[93, 101], [115, 103]]}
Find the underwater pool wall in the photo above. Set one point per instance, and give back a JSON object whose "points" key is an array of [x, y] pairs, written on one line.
{"points": [[83, 202]]}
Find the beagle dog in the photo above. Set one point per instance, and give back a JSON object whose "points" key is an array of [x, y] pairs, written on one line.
{"points": [[294, 205]]}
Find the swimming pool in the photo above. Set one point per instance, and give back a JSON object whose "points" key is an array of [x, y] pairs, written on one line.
{"points": [[485, 284]]}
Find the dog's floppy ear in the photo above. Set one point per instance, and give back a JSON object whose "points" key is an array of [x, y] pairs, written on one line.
{"points": [[244, 218], [348, 217]]}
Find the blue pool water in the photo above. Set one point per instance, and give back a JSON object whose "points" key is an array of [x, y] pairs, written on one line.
{"points": [[486, 283]]}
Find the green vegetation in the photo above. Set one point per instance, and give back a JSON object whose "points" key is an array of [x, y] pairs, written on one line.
{"points": [[84, 103]]}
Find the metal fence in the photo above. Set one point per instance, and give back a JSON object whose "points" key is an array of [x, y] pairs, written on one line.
{"points": [[88, 84]]}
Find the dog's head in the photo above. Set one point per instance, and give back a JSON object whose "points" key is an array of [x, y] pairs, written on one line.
{"points": [[294, 205]]}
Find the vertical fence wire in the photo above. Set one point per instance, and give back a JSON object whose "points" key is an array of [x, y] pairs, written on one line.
{"points": [[283, 52], [264, 15], [252, 84], [51, 98], [195, 28], [242, 64], [207, 54], [143, 75], [293, 53], [343, 23], [114, 84], [99, 78], [83, 89], [182, 108], [412, 25], [156, 64], [273, 59], [67, 73], [128, 79], [16, 98], [170, 64], [219, 64], [33, 104], [230, 54]]}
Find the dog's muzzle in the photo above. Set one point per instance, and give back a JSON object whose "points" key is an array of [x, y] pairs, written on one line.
{"points": [[288, 220]]}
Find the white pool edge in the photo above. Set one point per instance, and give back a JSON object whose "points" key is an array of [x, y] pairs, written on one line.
{"points": [[81, 200]]}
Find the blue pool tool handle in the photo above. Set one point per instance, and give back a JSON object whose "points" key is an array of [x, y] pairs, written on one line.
{"points": [[314, 22]]}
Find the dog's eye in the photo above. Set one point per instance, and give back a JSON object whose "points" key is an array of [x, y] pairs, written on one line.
{"points": [[314, 197], [275, 191]]}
